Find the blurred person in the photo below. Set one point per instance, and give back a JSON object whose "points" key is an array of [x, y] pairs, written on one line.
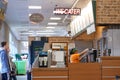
{"points": [[4, 61], [0, 77], [28, 68], [12, 74], [74, 56], [13, 70]]}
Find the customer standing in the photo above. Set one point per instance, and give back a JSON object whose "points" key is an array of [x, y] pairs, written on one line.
{"points": [[4, 61]]}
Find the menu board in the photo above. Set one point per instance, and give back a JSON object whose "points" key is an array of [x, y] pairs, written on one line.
{"points": [[84, 20], [58, 45], [91, 29]]}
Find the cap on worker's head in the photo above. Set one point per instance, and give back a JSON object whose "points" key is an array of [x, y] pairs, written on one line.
{"points": [[73, 51]]}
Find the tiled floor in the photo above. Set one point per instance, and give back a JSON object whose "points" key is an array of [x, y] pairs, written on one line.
{"points": [[21, 77]]}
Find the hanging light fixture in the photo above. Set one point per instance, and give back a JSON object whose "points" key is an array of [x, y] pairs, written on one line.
{"points": [[36, 18]]}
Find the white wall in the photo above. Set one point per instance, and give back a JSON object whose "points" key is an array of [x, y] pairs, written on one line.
{"points": [[5, 34], [2, 33], [23, 46], [113, 36], [13, 43]]}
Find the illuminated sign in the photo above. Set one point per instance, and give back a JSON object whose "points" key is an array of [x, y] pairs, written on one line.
{"points": [[67, 11]]}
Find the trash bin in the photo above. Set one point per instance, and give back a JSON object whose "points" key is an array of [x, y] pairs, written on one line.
{"points": [[21, 67]]}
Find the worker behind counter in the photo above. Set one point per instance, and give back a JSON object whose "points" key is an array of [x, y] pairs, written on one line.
{"points": [[75, 57]]}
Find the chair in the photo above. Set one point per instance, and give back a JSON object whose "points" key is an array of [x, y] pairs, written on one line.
{"points": [[117, 77]]}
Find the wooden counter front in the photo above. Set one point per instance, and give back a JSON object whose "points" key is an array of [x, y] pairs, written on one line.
{"points": [[85, 71], [50, 73], [110, 58], [110, 67]]}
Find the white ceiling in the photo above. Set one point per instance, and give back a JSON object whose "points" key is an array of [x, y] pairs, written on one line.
{"points": [[17, 17]]}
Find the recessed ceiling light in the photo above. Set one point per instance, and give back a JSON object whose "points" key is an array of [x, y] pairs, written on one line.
{"points": [[52, 23], [50, 27], [55, 18], [46, 33], [27, 33], [30, 31], [34, 7]]}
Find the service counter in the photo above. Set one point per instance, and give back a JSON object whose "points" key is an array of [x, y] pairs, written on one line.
{"points": [[81, 71], [107, 69]]}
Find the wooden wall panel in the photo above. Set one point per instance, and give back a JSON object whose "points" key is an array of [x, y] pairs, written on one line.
{"points": [[110, 71], [59, 39], [110, 67], [107, 11], [84, 36], [110, 62], [50, 74], [108, 79], [110, 58]]}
